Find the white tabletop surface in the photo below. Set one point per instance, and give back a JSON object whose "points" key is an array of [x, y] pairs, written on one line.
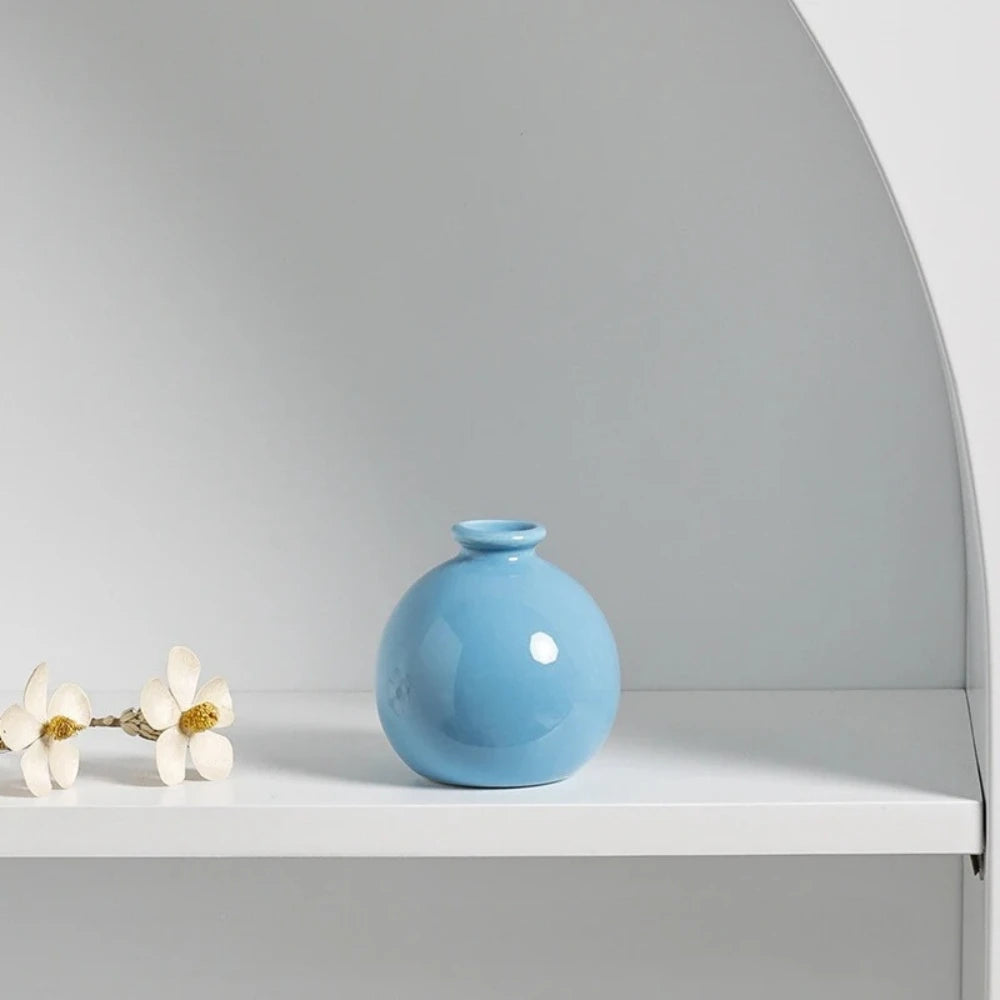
{"points": [[684, 773]]}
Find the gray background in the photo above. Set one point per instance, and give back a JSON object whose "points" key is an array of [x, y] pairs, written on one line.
{"points": [[665, 929], [287, 288]]}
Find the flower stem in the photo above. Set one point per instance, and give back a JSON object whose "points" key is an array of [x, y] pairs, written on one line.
{"points": [[131, 721], [107, 722]]}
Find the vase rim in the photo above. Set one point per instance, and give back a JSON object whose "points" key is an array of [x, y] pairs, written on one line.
{"points": [[498, 535]]}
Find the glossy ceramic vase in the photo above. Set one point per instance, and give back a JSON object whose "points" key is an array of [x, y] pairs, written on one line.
{"points": [[497, 669]]}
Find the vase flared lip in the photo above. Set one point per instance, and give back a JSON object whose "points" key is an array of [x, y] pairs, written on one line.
{"points": [[494, 535]]}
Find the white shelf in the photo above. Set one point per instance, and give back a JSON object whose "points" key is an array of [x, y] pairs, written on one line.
{"points": [[688, 773]]}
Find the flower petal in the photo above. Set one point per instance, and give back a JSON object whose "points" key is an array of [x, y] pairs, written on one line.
{"points": [[212, 755], [182, 675], [36, 692], [216, 691], [226, 717], [158, 705], [35, 768], [72, 701], [18, 728], [171, 756], [64, 761]]}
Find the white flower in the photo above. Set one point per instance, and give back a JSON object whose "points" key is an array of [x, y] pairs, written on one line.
{"points": [[47, 735], [188, 719]]}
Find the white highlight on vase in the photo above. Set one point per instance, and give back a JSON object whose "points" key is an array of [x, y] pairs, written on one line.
{"points": [[543, 648]]}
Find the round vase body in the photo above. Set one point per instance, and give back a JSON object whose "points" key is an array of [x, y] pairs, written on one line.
{"points": [[497, 669]]}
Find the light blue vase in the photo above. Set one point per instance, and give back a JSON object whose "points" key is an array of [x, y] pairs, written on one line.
{"points": [[497, 669]]}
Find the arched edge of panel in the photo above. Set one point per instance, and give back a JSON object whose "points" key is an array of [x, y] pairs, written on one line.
{"points": [[873, 92]]}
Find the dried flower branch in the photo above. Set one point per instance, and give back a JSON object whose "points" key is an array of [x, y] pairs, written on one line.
{"points": [[183, 718]]}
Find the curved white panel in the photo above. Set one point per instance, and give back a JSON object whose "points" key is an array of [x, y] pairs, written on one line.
{"points": [[922, 77]]}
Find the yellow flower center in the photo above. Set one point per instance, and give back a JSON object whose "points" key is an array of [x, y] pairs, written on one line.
{"points": [[59, 727], [198, 718]]}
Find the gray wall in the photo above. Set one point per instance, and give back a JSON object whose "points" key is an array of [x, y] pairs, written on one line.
{"points": [[709, 929], [286, 288]]}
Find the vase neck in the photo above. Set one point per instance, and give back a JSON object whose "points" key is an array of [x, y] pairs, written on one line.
{"points": [[488, 537]]}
